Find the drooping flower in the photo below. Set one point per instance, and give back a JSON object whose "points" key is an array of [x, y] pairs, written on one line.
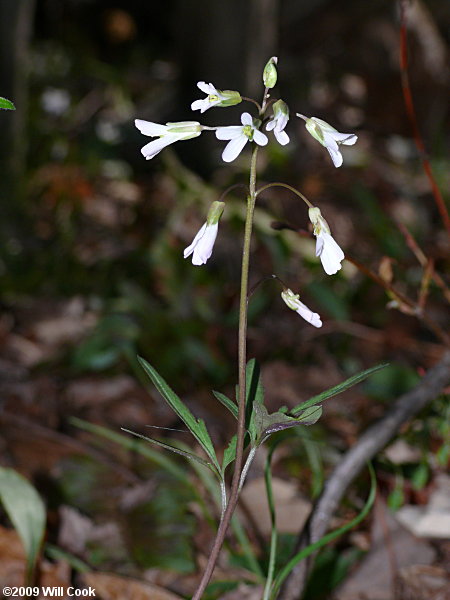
{"points": [[215, 97], [240, 135], [293, 302], [203, 243], [329, 137], [167, 134], [279, 121], [327, 248]]}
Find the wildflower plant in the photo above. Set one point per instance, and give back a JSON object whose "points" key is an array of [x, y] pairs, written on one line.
{"points": [[255, 424]]}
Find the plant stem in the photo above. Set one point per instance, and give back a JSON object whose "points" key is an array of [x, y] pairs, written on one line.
{"points": [[288, 187], [242, 359]]}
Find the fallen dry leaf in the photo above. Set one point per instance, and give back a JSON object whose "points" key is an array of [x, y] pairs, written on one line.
{"points": [[114, 587]]}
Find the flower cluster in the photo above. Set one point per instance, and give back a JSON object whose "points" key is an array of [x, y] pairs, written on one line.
{"points": [[238, 136]]}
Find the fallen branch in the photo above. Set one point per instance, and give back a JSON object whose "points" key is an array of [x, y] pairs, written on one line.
{"points": [[370, 443]]}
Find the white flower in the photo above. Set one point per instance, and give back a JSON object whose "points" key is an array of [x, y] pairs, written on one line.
{"points": [[215, 97], [239, 136], [329, 137], [293, 301], [203, 243], [167, 134], [327, 248], [279, 121]]}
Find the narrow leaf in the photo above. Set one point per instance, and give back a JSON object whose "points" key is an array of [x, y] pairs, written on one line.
{"points": [[196, 426], [254, 397], [26, 512], [134, 445], [229, 454], [227, 403], [337, 389], [6, 104], [184, 453], [254, 388], [326, 538]]}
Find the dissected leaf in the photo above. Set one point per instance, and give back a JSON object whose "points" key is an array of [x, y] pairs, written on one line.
{"points": [[337, 389], [6, 104], [26, 511], [196, 426], [185, 453], [227, 403]]}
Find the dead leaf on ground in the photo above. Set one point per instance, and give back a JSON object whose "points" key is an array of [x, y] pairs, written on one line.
{"points": [[13, 563], [393, 547], [114, 587], [291, 509]]}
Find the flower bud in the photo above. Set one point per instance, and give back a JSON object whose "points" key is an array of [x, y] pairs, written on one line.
{"points": [[270, 73]]}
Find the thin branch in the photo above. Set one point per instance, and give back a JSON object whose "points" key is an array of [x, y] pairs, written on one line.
{"points": [[371, 442], [409, 104]]}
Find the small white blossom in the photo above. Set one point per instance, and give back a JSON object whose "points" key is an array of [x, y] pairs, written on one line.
{"points": [[279, 121], [239, 136], [203, 243], [215, 97], [327, 248], [293, 301], [329, 137], [167, 134]]}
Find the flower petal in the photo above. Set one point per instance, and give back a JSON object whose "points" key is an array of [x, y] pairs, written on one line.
{"points": [[331, 254], [309, 316], [204, 87], [260, 138], [271, 124], [234, 148], [205, 245], [201, 105], [190, 249], [152, 148], [246, 119], [348, 139], [149, 128], [229, 132], [282, 137], [336, 156]]}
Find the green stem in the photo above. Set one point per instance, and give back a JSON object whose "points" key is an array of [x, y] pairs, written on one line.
{"points": [[242, 359], [288, 187]]}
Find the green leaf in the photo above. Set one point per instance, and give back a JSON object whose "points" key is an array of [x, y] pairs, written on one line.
{"points": [[6, 104], [338, 389], [229, 454], [254, 397], [326, 538], [196, 426], [265, 424], [227, 403], [184, 453], [27, 513], [134, 445]]}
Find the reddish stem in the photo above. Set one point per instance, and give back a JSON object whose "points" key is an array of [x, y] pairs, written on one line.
{"points": [[409, 103]]}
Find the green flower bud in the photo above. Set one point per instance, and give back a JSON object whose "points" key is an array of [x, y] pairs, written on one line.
{"points": [[270, 73], [215, 212]]}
